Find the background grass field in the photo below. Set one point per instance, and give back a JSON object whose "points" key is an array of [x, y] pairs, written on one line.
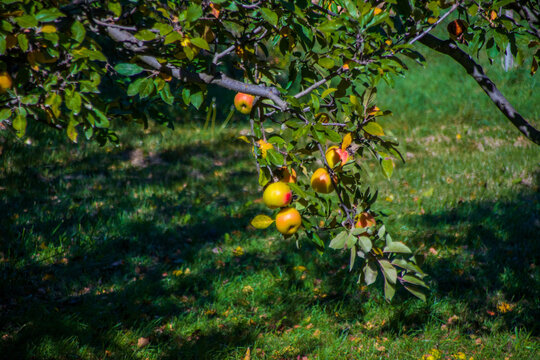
{"points": [[143, 251]]}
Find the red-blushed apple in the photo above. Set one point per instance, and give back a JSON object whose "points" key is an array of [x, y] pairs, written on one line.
{"points": [[335, 154], [244, 102], [288, 221], [277, 195]]}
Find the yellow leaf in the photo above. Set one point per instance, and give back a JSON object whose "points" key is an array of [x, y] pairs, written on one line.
{"points": [[373, 128], [347, 140], [239, 251], [177, 272], [48, 29], [243, 138], [248, 354], [261, 222]]}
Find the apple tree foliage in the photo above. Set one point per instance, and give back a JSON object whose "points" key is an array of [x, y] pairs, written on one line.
{"points": [[83, 66]]}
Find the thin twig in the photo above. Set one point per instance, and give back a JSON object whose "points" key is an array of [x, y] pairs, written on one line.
{"points": [[454, 7]]}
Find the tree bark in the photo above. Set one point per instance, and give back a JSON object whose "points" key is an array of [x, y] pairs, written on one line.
{"points": [[451, 49]]}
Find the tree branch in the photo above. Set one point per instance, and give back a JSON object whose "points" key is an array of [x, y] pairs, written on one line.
{"points": [[456, 5], [219, 79], [475, 70]]}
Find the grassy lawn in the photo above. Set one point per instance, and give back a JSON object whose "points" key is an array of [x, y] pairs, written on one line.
{"points": [[144, 251]]}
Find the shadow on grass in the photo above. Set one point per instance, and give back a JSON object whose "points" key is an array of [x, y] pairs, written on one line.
{"points": [[89, 241]]}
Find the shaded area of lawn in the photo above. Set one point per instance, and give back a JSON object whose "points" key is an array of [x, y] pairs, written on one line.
{"points": [[103, 248]]}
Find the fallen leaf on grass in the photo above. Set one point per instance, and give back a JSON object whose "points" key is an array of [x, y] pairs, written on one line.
{"points": [[142, 342]]}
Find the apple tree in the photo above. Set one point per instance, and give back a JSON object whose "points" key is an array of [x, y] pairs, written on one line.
{"points": [[309, 71]]}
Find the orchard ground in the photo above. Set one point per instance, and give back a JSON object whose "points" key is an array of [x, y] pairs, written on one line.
{"points": [[144, 251]]}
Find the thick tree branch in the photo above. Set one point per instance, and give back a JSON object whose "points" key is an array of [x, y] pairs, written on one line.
{"points": [[475, 70], [219, 79]]}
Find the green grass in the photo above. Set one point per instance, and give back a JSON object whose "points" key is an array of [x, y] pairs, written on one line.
{"points": [[102, 247]]}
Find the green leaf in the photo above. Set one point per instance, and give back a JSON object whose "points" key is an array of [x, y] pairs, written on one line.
{"points": [[388, 167], [397, 247], [78, 31], [408, 266], [19, 124], [194, 12], [389, 271], [298, 190], [269, 16], [26, 21], [166, 94], [197, 99], [414, 280], [102, 121], [71, 131], [317, 240], [115, 8], [5, 114], [146, 88], [416, 292], [128, 69], [275, 157], [2, 45], [365, 243], [370, 272], [172, 37], [73, 101], [264, 176], [261, 222], [389, 290], [374, 129], [23, 42], [352, 258], [133, 88], [145, 35], [327, 92], [326, 62], [200, 42], [48, 15], [339, 241]]}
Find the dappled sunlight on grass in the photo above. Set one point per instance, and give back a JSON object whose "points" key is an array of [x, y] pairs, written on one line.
{"points": [[145, 250]]}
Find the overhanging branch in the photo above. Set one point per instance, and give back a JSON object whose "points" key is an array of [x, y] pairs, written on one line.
{"points": [[219, 79], [475, 70]]}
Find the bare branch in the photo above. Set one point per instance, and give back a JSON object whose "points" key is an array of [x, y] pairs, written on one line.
{"points": [[308, 90], [475, 70]]}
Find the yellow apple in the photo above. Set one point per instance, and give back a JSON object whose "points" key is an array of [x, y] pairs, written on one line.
{"points": [[277, 195], [5, 81], [321, 182], [288, 221]]}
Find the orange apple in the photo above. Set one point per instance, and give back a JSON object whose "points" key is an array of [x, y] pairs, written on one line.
{"points": [[287, 176], [244, 103], [334, 154], [288, 221], [321, 182], [277, 195], [365, 220]]}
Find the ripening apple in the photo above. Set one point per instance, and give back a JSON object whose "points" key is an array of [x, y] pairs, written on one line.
{"points": [[365, 220], [288, 221], [335, 154], [244, 103], [277, 195], [321, 182], [5, 81], [287, 176]]}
